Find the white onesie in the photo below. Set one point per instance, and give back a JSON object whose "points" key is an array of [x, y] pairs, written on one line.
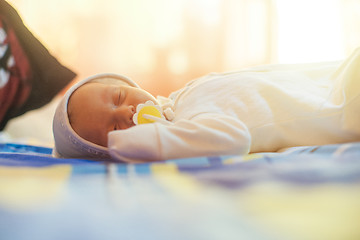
{"points": [[261, 109]]}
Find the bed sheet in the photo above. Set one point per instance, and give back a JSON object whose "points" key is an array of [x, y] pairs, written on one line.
{"points": [[301, 193]]}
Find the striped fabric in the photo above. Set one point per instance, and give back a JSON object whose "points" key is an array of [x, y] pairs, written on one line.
{"points": [[300, 193]]}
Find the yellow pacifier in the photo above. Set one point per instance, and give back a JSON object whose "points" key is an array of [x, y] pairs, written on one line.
{"points": [[148, 113]]}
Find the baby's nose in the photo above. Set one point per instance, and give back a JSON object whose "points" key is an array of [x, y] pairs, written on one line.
{"points": [[125, 114], [131, 110], [126, 109]]}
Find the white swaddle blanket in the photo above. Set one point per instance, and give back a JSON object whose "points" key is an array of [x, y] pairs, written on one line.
{"points": [[346, 92], [322, 98]]}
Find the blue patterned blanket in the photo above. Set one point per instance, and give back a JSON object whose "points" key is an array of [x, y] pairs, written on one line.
{"points": [[301, 193]]}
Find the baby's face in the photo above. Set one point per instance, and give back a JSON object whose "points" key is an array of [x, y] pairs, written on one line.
{"points": [[95, 109]]}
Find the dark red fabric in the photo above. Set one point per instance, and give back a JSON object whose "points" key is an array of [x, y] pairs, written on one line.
{"points": [[16, 72], [37, 75]]}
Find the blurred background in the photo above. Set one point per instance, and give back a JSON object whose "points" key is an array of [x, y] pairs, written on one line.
{"points": [[162, 44]]}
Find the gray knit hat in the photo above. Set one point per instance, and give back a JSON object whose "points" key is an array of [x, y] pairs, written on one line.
{"points": [[68, 144]]}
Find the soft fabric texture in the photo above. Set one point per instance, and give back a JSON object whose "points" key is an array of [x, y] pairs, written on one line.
{"points": [[306, 193], [261, 109], [29, 75], [68, 144]]}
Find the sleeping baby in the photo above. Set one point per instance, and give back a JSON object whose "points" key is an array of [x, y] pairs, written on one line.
{"points": [[262, 109]]}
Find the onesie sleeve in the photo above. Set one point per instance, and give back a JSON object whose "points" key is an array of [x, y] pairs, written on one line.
{"points": [[204, 135]]}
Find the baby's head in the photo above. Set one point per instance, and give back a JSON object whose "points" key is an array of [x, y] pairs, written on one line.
{"points": [[90, 110]]}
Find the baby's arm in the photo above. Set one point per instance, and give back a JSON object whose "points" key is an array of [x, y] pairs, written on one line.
{"points": [[204, 135]]}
